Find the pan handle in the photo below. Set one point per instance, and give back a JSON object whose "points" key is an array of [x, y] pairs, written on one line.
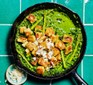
{"points": [[78, 79]]}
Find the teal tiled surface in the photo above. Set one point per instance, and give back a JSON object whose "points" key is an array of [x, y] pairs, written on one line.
{"points": [[10, 9], [89, 32], [28, 3], [88, 65], [76, 6], [4, 32], [63, 82], [89, 12]]}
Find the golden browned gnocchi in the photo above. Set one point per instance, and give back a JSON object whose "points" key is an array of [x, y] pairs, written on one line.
{"points": [[47, 44], [44, 47]]}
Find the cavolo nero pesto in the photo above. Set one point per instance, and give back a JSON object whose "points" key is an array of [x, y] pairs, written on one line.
{"points": [[47, 42]]}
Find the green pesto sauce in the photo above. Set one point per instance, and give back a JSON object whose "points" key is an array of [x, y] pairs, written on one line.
{"points": [[62, 24], [58, 20]]}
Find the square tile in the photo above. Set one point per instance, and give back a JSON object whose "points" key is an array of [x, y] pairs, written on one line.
{"points": [[79, 69], [9, 10], [4, 39], [74, 5], [28, 3], [89, 33], [88, 69], [62, 82], [89, 12]]}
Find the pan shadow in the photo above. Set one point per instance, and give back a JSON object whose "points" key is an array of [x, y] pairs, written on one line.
{"points": [[35, 81], [9, 51], [8, 46], [67, 78]]}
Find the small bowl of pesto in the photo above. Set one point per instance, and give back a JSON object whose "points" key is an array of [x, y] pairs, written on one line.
{"points": [[48, 41]]}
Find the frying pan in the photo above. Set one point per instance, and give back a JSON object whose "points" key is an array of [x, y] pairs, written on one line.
{"points": [[74, 17]]}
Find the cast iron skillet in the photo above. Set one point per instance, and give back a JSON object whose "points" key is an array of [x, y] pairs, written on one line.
{"points": [[74, 17]]}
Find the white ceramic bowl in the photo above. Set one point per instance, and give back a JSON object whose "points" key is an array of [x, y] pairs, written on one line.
{"points": [[14, 71]]}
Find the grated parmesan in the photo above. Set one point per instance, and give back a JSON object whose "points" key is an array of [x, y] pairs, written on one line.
{"points": [[16, 75]]}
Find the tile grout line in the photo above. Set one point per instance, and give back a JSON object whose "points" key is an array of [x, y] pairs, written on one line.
{"points": [[6, 24], [88, 24], [83, 11], [55, 1], [82, 69], [89, 55], [5, 55], [20, 6], [83, 23], [12, 24], [51, 0]]}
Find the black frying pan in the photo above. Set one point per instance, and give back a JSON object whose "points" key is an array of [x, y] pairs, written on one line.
{"points": [[74, 17]]}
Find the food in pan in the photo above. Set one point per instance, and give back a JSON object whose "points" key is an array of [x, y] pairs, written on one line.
{"points": [[47, 42]]}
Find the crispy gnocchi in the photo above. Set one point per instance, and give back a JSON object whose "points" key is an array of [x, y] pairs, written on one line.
{"points": [[42, 44]]}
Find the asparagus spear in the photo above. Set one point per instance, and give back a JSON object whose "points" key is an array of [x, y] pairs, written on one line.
{"points": [[64, 63], [33, 26], [24, 58], [36, 23], [45, 21], [67, 57], [77, 43]]}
